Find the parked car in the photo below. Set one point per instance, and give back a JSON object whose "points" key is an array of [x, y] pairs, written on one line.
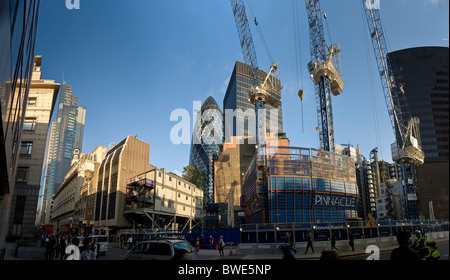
{"points": [[159, 249]]}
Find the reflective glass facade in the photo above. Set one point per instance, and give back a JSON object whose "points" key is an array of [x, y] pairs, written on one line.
{"points": [[18, 26], [424, 73], [237, 97], [67, 134], [203, 152]]}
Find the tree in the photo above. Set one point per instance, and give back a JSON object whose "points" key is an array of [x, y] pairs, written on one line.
{"points": [[194, 175]]}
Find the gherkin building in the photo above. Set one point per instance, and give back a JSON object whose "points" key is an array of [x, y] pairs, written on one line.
{"points": [[207, 143]]}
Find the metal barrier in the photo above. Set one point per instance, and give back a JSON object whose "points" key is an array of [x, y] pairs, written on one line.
{"points": [[256, 238]]}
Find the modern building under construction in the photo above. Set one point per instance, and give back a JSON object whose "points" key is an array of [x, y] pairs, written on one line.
{"points": [[299, 186]]}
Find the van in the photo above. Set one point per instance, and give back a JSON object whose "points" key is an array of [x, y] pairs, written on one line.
{"points": [[102, 240], [160, 249]]}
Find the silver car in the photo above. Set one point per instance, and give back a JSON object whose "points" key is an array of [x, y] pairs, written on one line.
{"points": [[162, 249]]}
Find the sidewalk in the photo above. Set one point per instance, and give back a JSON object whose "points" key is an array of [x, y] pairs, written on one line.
{"points": [[9, 253]]}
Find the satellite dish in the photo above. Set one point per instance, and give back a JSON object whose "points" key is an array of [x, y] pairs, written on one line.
{"points": [[112, 145]]}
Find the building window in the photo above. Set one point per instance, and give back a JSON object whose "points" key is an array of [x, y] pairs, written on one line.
{"points": [[32, 101], [170, 179], [22, 174], [29, 124], [25, 148]]}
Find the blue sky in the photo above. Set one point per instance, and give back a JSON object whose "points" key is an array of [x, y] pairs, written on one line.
{"points": [[131, 63]]}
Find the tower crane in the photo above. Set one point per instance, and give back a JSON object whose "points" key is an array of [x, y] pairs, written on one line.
{"points": [[263, 90], [324, 69], [407, 150]]}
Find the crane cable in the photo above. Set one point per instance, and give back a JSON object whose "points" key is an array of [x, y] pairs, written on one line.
{"points": [[298, 55], [261, 35], [373, 99]]}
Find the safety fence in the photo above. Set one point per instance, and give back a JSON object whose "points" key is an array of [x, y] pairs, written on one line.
{"points": [[259, 238]]}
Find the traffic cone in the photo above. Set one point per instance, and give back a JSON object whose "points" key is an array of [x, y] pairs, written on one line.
{"points": [[231, 251]]}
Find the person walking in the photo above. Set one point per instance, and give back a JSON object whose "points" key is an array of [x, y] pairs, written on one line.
{"points": [[403, 252], [130, 242], [286, 250], [221, 245], [88, 254], [351, 240], [309, 238], [49, 245], [96, 248], [290, 241], [59, 239], [333, 241]]}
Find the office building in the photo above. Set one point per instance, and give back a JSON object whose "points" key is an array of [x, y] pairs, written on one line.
{"points": [[206, 144], [67, 133], [67, 214], [125, 160], [237, 98], [41, 102], [17, 43], [424, 73]]}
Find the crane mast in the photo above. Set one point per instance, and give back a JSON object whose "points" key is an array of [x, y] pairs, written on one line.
{"points": [[263, 90], [407, 150], [324, 69]]}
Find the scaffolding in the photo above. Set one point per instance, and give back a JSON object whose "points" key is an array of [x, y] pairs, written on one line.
{"points": [[140, 193], [299, 185]]}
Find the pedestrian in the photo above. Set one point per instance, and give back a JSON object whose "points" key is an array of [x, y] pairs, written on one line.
{"points": [[290, 241], [211, 242], [221, 245], [58, 245], [403, 252], [351, 239], [286, 250], [61, 248], [96, 248], [86, 241], [309, 238], [333, 241], [130, 242], [197, 245], [49, 243], [88, 254]]}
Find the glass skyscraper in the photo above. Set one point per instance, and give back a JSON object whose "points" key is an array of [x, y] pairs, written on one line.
{"points": [[237, 97], [424, 73], [67, 133], [204, 148]]}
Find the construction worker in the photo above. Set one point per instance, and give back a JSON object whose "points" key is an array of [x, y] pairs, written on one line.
{"points": [[433, 253], [418, 243]]}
